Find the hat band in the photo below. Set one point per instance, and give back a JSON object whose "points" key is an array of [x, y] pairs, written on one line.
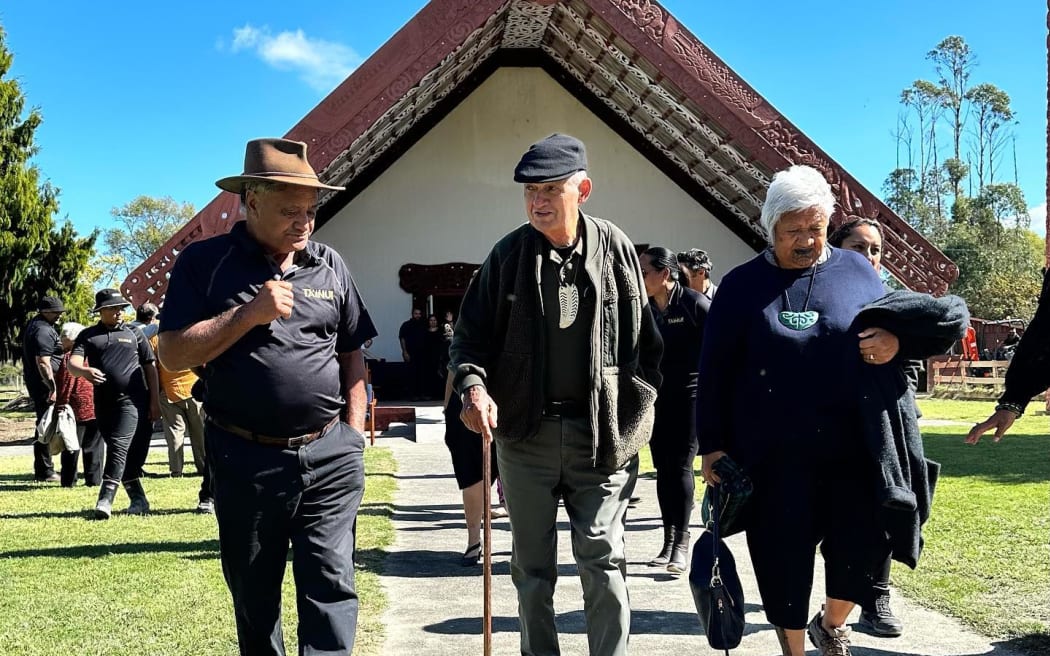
{"points": [[293, 175]]}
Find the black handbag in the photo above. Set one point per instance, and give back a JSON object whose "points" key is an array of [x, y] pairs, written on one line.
{"points": [[734, 491], [717, 591]]}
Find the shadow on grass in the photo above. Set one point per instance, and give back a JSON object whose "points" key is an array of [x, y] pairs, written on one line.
{"points": [[89, 514], [379, 510], [1018, 458], [21, 487], [119, 549], [1031, 645]]}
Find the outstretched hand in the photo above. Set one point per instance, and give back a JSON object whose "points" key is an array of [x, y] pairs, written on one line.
{"points": [[1001, 421]]}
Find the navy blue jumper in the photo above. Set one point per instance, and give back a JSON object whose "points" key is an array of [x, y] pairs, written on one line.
{"points": [[783, 402]]}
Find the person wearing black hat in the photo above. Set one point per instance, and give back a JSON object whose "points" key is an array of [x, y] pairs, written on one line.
{"points": [[41, 358], [555, 332], [116, 358], [280, 323]]}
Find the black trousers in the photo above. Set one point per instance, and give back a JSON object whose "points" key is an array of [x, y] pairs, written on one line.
{"points": [[267, 498], [808, 495], [43, 466], [91, 449], [674, 448], [126, 429]]}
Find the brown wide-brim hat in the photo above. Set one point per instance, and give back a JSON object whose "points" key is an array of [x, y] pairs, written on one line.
{"points": [[275, 160]]}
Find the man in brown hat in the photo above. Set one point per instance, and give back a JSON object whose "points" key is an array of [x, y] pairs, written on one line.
{"points": [[280, 324], [41, 357], [555, 329]]}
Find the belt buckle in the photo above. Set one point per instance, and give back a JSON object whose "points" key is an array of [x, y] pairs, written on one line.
{"points": [[298, 440]]}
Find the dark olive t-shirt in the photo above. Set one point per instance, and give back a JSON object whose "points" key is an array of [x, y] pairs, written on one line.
{"points": [[567, 370]]}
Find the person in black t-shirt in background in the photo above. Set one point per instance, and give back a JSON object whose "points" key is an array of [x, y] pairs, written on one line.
{"points": [[124, 374], [680, 313], [41, 357], [412, 336]]}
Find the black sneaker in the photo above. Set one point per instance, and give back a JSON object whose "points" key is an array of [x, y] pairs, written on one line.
{"points": [[833, 643], [881, 621]]}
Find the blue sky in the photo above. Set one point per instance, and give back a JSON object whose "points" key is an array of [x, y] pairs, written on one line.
{"points": [[159, 98]]}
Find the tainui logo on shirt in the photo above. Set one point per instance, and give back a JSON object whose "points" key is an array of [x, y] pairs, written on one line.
{"points": [[326, 294]]}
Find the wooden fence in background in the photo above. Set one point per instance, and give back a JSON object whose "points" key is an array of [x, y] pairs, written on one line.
{"points": [[954, 370]]}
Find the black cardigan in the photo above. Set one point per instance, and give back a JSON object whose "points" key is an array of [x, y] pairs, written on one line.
{"points": [[925, 326]]}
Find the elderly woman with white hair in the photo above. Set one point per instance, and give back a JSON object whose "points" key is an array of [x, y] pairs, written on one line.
{"points": [[78, 394], [778, 393]]}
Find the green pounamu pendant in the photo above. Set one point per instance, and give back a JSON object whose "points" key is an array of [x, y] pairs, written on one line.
{"points": [[798, 320]]}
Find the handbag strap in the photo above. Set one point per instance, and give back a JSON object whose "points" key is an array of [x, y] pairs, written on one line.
{"points": [[716, 572]]}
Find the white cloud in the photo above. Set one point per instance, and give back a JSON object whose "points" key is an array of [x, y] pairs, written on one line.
{"points": [[321, 64], [1038, 217]]}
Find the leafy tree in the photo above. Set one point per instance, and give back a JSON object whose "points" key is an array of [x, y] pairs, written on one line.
{"points": [[953, 62], [36, 256], [986, 230], [991, 108], [146, 223]]}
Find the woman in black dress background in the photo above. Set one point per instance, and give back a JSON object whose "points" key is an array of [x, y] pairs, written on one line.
{"points": [[680, 313]]}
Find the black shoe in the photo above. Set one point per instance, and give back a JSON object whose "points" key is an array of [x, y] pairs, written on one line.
{"points": [[471, 556], [48, 478], [664, 556], [679, 562], [104, 507], [139, 503], [881, 621]]}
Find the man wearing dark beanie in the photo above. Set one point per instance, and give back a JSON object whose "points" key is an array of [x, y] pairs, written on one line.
{"points": [[555, 332]]}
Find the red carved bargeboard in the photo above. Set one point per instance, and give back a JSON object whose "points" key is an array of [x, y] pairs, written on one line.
{"points": [[432, 37]]}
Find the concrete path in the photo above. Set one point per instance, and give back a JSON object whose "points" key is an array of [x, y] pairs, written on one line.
{"points": [[436, 604]]}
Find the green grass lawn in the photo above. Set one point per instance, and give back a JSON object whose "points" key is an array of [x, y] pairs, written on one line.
{"points": [[145, 585], [987, 559]]}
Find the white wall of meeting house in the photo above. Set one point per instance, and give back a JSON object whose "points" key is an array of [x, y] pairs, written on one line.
{"points": [[452, 195]]}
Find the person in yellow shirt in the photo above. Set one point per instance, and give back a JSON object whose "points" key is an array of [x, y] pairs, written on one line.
{"points": [[182, 415]]}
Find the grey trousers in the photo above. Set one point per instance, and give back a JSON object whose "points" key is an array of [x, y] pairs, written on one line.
{"points": [[556, 464], [182, 418]]}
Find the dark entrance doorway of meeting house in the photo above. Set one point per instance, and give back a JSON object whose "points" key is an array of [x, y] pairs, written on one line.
{"points": [[435, 289]]}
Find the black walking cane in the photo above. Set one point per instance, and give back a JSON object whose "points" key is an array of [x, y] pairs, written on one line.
{"points": [[486, 527]]}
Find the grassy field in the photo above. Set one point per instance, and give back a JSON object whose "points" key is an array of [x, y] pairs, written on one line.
{"points": [[150, 585], [154, 586], [987, 560]]}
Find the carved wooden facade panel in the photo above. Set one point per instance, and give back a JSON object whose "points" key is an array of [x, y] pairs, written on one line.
{"points": [[633, 56]]}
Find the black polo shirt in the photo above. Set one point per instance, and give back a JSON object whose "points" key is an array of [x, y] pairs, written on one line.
{"points": [[39, 340], [281, 379], [119, 353], [681, 325]]}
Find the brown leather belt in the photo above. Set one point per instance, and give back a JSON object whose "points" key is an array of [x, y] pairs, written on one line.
{"points": [[282, 442]]}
